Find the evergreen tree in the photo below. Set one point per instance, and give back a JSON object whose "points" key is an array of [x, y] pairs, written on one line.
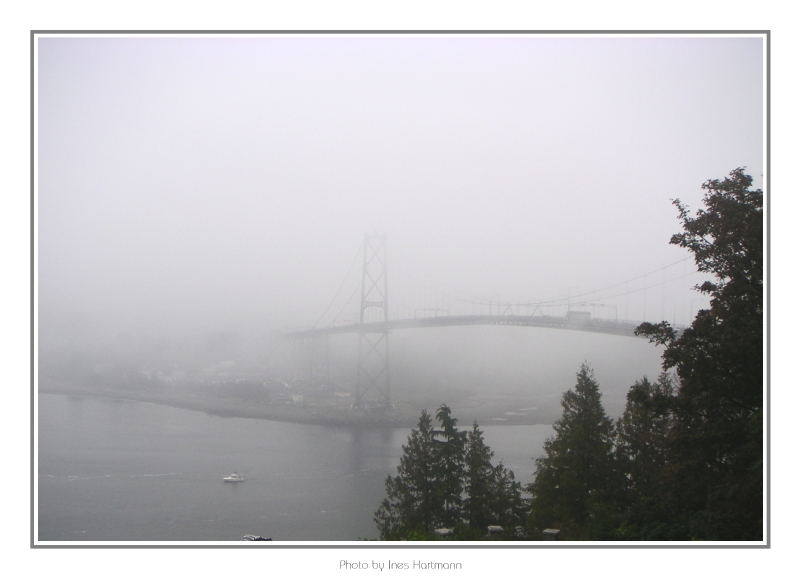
{"points": [[506, 504], [642, 432], [717, 442], [643, 435], [412, 500], [449, 446], [494, 497], [576, 481], [446, 479], [480, 482]]}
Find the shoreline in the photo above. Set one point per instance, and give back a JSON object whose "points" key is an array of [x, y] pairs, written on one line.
{"points": [[283, 414], [231, 411]]}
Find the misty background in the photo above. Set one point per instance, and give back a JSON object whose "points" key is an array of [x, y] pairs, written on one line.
{"points": [[198, 196]]}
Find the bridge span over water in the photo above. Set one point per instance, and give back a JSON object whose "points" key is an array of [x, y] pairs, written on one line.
{"points": [[602, 326], [374, 327]]}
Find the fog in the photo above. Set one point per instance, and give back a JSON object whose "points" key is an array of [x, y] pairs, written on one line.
{"points": [[198, 196]]}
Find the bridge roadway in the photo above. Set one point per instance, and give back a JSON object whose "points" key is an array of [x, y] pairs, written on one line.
{"points": [[619, 328]]}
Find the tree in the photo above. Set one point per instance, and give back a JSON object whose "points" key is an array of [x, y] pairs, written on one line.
{"points": [[446, 479], [643, 430], [717, 441], [479, 480], [642, 451], [449, 446], [506, 506], [575, 481], [411, 500], [494, 497]]}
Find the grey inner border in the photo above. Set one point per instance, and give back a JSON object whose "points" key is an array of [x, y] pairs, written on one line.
{"points": [[767, 528]]}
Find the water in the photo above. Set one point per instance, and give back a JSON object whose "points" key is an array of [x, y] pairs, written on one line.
{"points": [[112, 470]]}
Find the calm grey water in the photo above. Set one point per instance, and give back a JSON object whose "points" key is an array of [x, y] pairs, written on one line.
{"points": [[112, 470]]}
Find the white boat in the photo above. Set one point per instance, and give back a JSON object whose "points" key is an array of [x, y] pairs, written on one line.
{"points": [[233, 477]]}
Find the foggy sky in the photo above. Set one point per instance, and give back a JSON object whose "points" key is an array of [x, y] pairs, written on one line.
{"points": [[228, 182]]}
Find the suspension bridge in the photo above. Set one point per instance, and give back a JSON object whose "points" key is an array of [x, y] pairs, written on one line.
{"points": [[374, 325]]}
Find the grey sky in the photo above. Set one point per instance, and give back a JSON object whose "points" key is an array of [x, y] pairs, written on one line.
{"points": [[227, 182]]}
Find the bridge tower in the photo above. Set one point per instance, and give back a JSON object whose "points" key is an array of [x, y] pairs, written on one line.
{"points": [[372, 381]]}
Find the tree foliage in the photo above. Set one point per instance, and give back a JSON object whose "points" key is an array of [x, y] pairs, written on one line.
{"points": [[506, 505], [719, 358], [450, 448], [411, 496], [643, 454], [446, 479], [479, 480], [642, 432], [493, 496], [717, 439], [576, 481]]}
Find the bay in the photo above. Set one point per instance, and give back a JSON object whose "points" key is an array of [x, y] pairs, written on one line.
{"points": [[117, 470]]}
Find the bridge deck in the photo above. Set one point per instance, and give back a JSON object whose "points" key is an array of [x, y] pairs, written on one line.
{"points": [[620, 328]]}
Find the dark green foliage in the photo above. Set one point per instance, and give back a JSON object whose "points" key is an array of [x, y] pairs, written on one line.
{"points": [[576, 482], [411, 496], [450, 447], [494, 497], [506, 504], [479, 480], [719, 358], [642, 433], [717, 440], [446, 479], [643, 454]]}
